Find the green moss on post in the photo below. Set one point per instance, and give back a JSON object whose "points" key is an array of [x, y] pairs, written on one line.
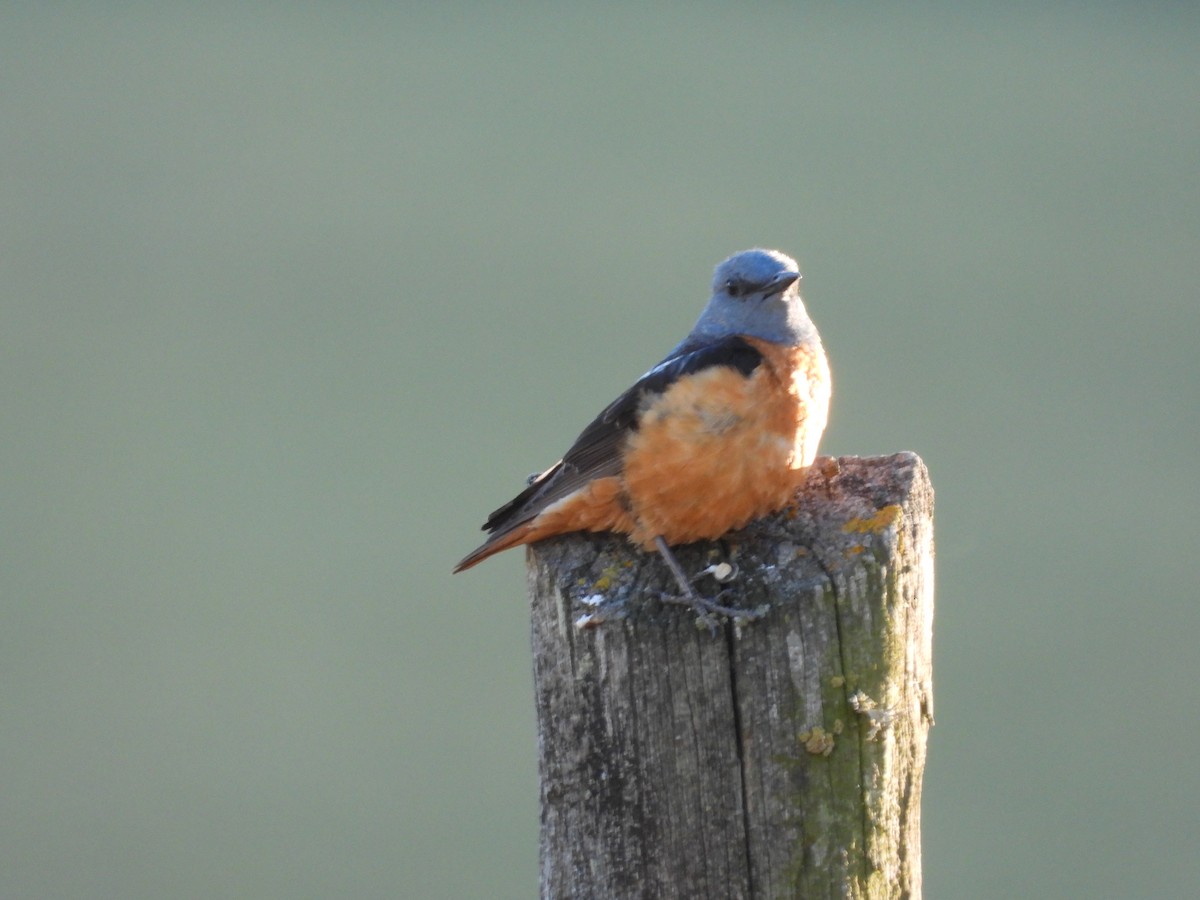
{"points": [[778, 758]]}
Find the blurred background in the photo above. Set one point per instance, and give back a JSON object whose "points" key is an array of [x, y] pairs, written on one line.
{"points": [[293, 295]]}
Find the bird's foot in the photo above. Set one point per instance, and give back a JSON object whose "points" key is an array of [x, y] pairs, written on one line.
{"points": [[708, 611]]}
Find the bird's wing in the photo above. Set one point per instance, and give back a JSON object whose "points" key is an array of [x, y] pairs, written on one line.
{"points": [[597, 451]]}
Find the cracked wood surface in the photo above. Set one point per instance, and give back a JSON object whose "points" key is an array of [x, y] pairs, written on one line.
{"points": [[777, 758]]}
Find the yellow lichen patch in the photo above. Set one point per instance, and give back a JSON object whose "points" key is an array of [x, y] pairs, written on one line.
{"points": [[606, 579], [883, 519], [817, 741], [837, 681]]}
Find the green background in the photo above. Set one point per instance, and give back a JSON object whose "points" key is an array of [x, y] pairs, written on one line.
{"points": [[293, 295]]}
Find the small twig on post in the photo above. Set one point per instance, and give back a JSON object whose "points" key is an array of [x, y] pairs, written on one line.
{"points": [[781, 758]]}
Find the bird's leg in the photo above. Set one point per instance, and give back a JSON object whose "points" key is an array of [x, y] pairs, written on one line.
{"points": [[705, 609]]}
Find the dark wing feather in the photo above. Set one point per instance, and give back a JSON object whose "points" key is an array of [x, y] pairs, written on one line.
{"points": [[596, 453]]}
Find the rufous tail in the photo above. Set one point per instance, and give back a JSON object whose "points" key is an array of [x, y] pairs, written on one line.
{"points": [[523, 534]]}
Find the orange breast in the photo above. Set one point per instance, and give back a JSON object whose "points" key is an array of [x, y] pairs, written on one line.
{"points": [[718, 449]]}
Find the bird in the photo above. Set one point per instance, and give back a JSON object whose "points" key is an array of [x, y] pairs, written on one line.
{"points": [[718, 434]]}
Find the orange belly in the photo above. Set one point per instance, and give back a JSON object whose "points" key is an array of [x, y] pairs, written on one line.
{"points": [[713, 452], [718, 449]]}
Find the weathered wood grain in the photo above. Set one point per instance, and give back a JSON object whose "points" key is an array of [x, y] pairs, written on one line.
{"points": [[777, 758]]}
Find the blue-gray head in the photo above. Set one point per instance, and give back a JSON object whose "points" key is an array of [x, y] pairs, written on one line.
{"points": [[756, 292]]}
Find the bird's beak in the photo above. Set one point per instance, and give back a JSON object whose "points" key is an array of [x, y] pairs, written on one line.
{"points": [[781, 283]]}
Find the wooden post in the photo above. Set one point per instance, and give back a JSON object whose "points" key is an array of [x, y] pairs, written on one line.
{"points": [[777, 758]]}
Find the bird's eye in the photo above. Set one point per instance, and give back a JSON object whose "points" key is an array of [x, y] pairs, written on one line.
{"points": [[733, 287]]}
